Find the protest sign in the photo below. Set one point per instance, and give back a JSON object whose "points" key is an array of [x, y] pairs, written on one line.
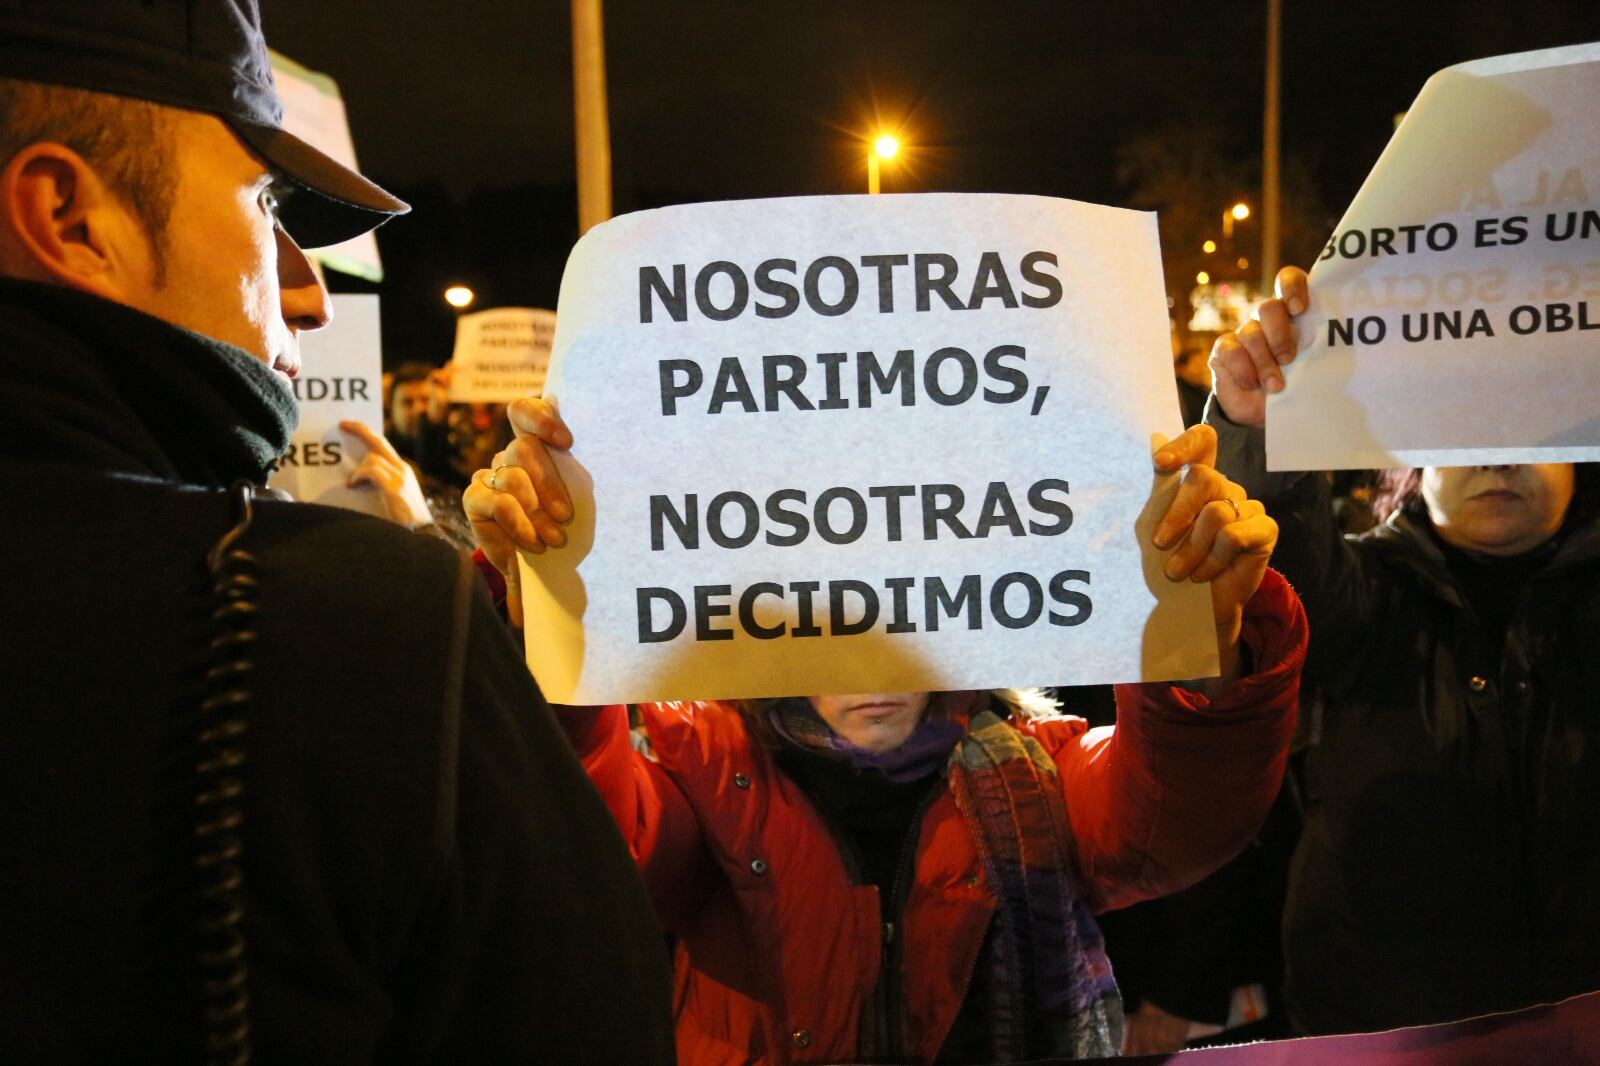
{"points": [[1455, 312], [856, 444], [340, 377], [314, 112], [501, 354]]}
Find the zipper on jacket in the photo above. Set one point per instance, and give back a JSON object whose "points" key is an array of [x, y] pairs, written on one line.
{"points": [[890, 995]]}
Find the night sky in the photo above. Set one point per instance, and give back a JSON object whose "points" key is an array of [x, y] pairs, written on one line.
{"points": [[466, 108]]}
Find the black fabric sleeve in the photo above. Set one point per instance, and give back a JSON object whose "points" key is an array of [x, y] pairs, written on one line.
{"points": [[541, 924], [1327, 572]]}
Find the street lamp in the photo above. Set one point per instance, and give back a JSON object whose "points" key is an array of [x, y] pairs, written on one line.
{"points": [[459, 296], [885, 147], [1237, 213]]}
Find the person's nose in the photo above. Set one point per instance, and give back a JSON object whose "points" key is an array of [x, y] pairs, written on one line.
{"points": [[301, 293]]}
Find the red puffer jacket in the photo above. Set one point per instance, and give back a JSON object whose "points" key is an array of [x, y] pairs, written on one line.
{"points": [[778, 952]]}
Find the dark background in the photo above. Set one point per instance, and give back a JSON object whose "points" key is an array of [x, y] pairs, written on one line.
{"points": [[465, 109]]}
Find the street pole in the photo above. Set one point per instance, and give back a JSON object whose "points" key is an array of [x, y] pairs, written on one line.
{"points": [[589, 109], [1270, 202], [873, 187]]}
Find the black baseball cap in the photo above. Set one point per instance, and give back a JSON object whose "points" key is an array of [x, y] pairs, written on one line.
{"points": [[200, 55]]}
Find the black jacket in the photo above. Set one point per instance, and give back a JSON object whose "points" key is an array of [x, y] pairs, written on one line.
{"points": [[429, 875], [1450, 861]]}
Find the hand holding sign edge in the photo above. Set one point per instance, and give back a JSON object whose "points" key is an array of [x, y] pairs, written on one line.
{"points": [[521, 503], [1218, 535], [392, 477], [1245, 363]]}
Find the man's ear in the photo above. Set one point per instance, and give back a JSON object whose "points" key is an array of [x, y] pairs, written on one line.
{"points": [[59, 223]]}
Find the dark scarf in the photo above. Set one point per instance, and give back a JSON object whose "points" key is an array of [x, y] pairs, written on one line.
{"points": [[1049, 983], [926, 750], [93, 384]]}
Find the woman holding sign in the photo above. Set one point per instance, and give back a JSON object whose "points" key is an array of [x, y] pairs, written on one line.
{"points": [[1451, 852], [910, 876]]}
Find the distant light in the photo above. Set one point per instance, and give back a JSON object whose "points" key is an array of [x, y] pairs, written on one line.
{"points": [[1209, 247], [886, 147], [1244, 264], [1224, 289], [1202, 278], [1241, 211], [459, 296]]}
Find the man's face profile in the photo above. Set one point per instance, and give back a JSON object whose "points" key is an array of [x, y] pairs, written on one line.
{"points": [[229, 271]]}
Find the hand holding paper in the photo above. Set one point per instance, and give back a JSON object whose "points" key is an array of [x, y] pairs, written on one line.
{"points": [[1245, 365], [396, 483], [522, 502], [1222, 536]]}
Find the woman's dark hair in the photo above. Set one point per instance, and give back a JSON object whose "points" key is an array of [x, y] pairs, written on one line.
{"points": [[1400, 489], [1397, 489]]}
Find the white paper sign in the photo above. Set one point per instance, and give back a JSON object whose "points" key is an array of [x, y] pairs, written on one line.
{"points": [[501, 354], [852, 444], [314, 112], [1455, 314], [341, 374]]}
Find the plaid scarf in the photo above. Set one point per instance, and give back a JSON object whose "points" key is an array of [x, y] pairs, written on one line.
{"points": [[1049, 986], [1051, 992]]}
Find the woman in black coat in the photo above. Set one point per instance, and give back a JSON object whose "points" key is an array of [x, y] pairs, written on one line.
{"points": [[1451, 850]]}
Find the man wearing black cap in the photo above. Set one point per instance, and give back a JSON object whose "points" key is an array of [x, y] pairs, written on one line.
{"points": [[258, 798]]}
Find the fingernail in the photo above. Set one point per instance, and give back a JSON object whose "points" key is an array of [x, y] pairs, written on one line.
{"points": [[1296, 306], [1173, 570], [559, 510], [1162, 539], [1274, 384], [555, 537], [1166, 457]]}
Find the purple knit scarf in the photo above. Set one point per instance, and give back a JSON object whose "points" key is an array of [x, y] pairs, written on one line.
{"points": [[1051, 993]]}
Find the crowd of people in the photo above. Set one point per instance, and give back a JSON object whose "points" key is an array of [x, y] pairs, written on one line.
{"points": [[279, 786]]}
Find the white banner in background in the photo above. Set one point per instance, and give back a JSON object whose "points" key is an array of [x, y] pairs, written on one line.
{"points": [[341, 377], [501, 354], [853, 444], [1455, 313]]}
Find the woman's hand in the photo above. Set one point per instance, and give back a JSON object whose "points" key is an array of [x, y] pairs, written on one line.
{"points": [[1245, 364], [1221, 535], [1152, 1031], [521, 503], [384, 469]]}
